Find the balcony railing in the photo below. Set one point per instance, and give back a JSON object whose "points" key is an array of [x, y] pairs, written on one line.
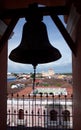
{"points": [[40, 111]]}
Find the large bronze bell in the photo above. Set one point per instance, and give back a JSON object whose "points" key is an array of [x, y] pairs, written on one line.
{"points": [[35, 47]]}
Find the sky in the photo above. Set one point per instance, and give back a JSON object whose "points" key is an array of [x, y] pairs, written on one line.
{"points": [[63, 65]]}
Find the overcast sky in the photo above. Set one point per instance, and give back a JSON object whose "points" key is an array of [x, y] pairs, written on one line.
{"points": [[63, 65]]}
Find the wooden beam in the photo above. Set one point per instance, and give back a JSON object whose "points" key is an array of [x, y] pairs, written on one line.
{"points": [[73, 19], [3, 27], [24, 3], [8, 32], [64, 33], [9, 13]]}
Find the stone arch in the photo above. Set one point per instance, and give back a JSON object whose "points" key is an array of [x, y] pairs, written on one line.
{"points": [[21, 114], [53, 115], [66, 115]]}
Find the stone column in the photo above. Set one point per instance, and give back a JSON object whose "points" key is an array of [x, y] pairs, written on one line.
{"points": [[74, 29], [3, 88], [76, 65]]}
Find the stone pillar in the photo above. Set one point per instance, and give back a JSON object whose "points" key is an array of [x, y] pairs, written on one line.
{"points": [[74, 29], [3, 88], [76, 65]]}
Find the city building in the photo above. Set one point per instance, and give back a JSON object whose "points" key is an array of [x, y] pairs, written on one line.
{"points": [[50, 73], [47, 107]]}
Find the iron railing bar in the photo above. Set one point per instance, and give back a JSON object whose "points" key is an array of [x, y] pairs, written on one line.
{"points": [[23, 108], [53, 105], [66, 108], [39, 115], [44, 117], [72, 107], [47, 109], [32, 111], [29, 110], [12, 120], [41, 108], [35, 109], [17, 107], [59, 111]]}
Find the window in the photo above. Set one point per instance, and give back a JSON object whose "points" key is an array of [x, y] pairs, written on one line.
{"points": [[21, 114], [51, 93], [66, 115], [53, 115]]}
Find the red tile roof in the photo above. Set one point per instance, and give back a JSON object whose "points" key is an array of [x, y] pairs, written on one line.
{"points": [[27, 91]]}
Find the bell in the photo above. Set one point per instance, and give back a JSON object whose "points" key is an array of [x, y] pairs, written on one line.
{"points": [[35, 47]]}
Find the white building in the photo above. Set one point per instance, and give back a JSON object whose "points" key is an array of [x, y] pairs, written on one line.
{"points": [[40, 110], [50, 73]]}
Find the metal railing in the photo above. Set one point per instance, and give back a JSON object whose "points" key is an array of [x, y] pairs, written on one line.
{"points": [[40, 111]]}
